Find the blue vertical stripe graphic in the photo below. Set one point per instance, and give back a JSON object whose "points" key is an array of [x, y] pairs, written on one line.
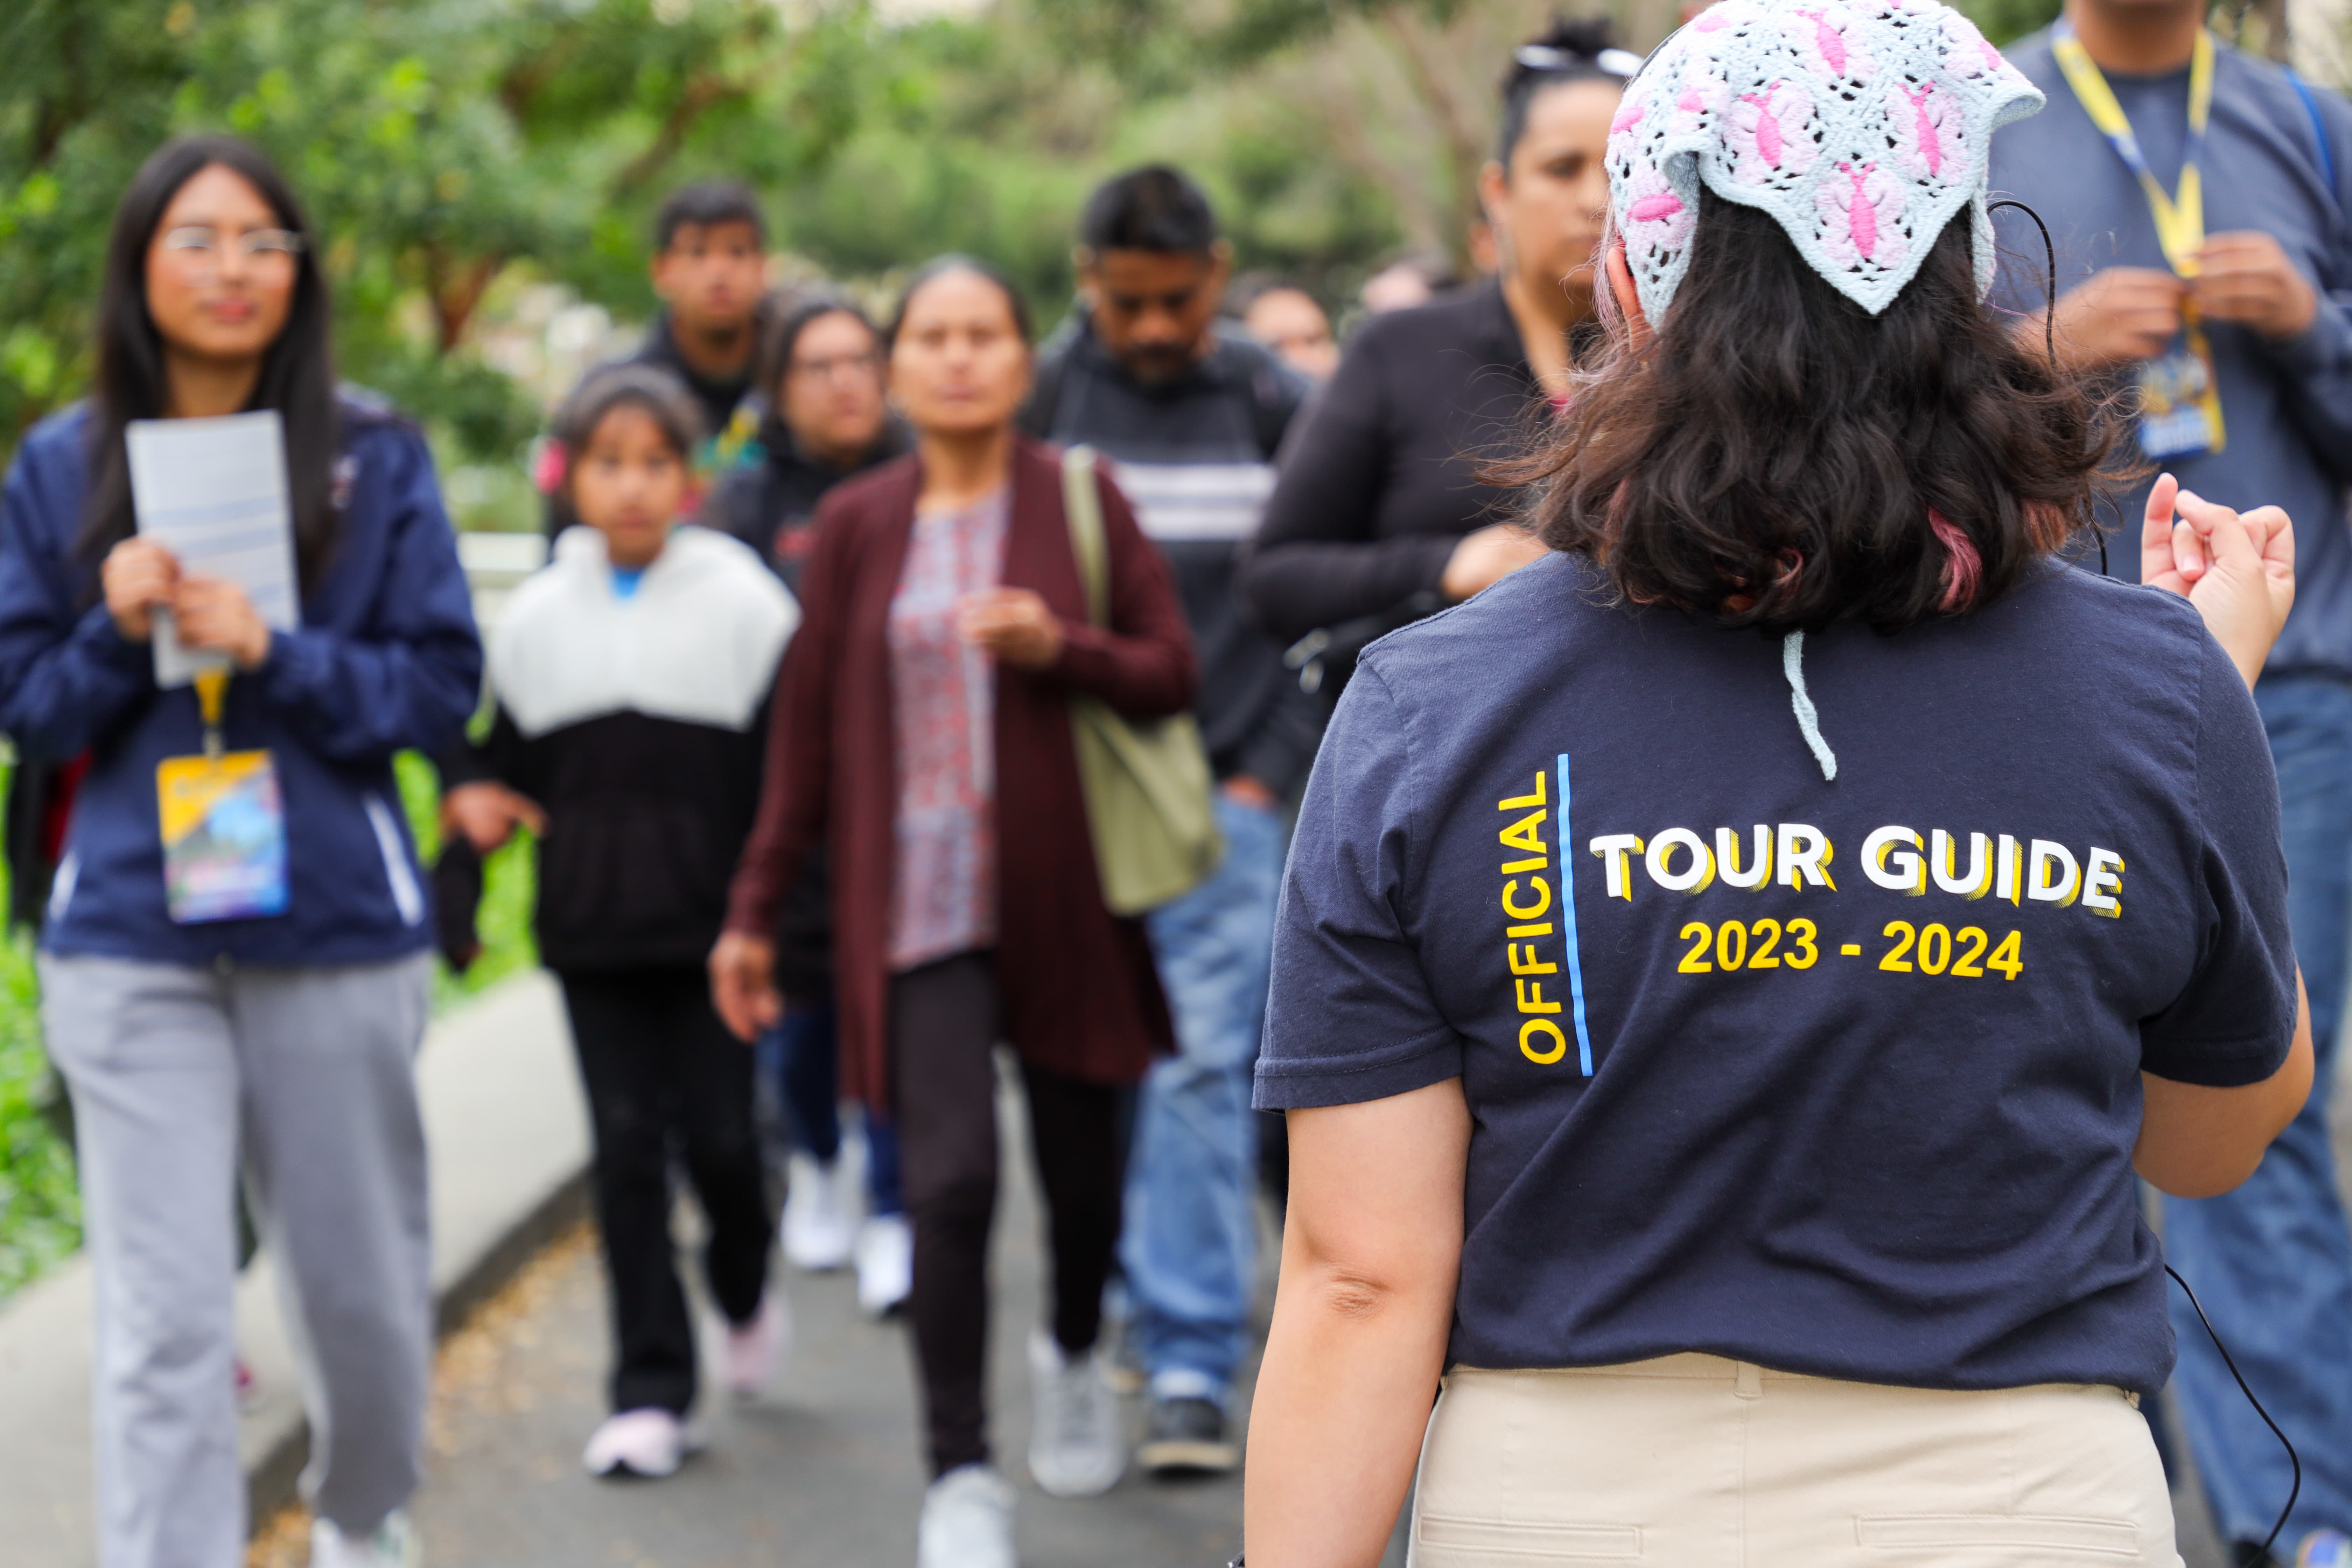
{"points": [[1568, 923]]}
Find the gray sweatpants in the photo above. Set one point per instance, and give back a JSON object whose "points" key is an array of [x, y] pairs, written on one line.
{"points": [[308, 1073]]}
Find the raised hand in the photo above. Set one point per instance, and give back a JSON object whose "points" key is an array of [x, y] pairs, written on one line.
{"points": [[2238, 571]]}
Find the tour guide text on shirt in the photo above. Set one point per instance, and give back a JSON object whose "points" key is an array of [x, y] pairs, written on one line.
{"points": [[1792, 855]]}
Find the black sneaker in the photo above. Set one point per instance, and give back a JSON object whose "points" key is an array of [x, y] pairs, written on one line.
{"points": [[1187, 1437]]}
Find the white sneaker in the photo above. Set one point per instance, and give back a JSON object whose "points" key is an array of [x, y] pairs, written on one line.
{"points": [[818, 1228], [1076, 1446], [885, 1264], [393, 1546], [647, 1442], [967, 1521], [754, 1348]]}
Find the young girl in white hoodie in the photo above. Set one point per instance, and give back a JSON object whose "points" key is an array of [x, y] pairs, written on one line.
{"points": [[631, 677]]}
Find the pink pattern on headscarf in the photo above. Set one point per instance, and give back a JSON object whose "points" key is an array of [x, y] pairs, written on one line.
{"points": [[1861, 222], [1963, 567], [1827, 35], [1793, 107], [1768, 129], [1655, 208], [1627, 116], [1923, 125], [1770, 133], [1862, 219]]}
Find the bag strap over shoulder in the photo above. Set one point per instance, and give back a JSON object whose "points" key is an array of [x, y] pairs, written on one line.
{"points": [[1082, 504]]}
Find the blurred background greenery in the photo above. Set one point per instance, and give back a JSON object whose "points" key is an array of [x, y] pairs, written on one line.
{"points": [[486, 170]]}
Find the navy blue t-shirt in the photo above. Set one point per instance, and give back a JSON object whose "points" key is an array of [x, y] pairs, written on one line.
{"points": [[1837, 1077]]}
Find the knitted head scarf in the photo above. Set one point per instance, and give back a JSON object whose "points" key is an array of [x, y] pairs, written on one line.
{"points": [[1862, 125]]}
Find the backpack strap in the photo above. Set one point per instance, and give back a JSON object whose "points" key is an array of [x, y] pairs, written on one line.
{"points": [[2318, 125], [1082, 506]]}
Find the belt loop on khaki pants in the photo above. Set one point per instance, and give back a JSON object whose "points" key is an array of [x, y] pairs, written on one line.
{"points": [[1752, 1379]]}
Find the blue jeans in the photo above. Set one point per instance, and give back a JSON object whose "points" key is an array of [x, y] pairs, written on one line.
{"points": [[2273, 1260], [802, 1059], [1189, 1244]]}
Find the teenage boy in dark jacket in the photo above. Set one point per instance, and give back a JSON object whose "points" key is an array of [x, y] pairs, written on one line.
{"points": [[709, 271], [1192, 416]]}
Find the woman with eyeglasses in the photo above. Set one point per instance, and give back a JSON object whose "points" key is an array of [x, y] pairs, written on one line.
{"points": [[827, 419], [1382, 515], [273, 1037]]}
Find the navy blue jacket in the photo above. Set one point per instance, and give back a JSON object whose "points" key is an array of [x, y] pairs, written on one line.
{"points": [[386, 658]]}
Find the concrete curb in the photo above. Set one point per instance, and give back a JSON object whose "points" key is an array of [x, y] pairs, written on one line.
{"points": [[508, 1131]]}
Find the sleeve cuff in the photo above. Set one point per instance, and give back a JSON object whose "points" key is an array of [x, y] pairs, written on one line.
{"points": [[295, 664], [2323, 347], [2220, 1064], [1303, 1084], [98, 632]]}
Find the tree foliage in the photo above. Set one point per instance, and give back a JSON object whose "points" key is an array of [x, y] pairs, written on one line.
{"points": [[437, 143]]}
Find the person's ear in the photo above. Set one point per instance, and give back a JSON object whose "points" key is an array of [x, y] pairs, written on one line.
{"points": [[1620, 284], [1494, 190], [658, 271], [1082, 263]]}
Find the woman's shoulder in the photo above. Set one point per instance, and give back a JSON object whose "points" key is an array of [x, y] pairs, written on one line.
{"points": [[719, 566], [62, 440], [378, 439], [883, 486], [1449, 322], [2109, 621]]}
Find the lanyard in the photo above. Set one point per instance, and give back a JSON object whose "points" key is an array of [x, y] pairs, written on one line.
{"points": [[2179, 217], [212, 697]]}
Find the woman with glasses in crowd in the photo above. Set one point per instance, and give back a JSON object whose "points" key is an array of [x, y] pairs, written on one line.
{"points": [[923, 731], [826, 419], [274, 1030], [1381, 513]]}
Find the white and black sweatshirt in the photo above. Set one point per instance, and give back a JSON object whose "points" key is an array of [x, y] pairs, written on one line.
{"points": [[637, 719]]}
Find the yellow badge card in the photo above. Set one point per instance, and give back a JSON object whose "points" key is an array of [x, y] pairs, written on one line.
{"points": [[223, 830]]}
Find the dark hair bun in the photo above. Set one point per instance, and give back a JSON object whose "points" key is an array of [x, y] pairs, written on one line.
{"points": [[1571, 43]]}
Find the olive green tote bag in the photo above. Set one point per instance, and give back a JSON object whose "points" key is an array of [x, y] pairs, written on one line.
{"points": [[1149, 797]]}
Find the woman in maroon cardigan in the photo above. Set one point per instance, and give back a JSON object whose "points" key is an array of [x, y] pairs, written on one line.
{"points": [[922, 731]]}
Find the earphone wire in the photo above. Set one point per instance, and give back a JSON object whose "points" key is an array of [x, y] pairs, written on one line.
{"points": [[2049, 317], [2292, 1458]]}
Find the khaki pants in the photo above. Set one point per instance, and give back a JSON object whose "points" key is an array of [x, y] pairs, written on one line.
{"points": [[1698, 1462]]}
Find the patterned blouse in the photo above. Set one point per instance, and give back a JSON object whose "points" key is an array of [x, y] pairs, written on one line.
{"points": [[944, 882]]}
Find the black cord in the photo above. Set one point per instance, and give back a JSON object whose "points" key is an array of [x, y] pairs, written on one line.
{"points": [[2294, 1459], [2049, 254], [2050, 320]]}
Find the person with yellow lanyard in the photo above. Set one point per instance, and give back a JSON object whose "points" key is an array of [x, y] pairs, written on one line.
{"points": [[2197, 199]]}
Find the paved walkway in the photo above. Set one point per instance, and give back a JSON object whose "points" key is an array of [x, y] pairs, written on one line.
{"points": [[823, 1472]]}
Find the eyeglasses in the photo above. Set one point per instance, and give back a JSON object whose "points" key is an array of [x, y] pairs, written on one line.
{"points": [[837, 367], [1609, 62], [199, 247]]}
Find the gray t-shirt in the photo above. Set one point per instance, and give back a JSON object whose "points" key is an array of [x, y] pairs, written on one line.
{"points": [[2286, 407]]}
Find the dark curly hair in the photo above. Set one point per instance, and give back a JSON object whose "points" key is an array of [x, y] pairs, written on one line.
{"points": [[1774, 456]]}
